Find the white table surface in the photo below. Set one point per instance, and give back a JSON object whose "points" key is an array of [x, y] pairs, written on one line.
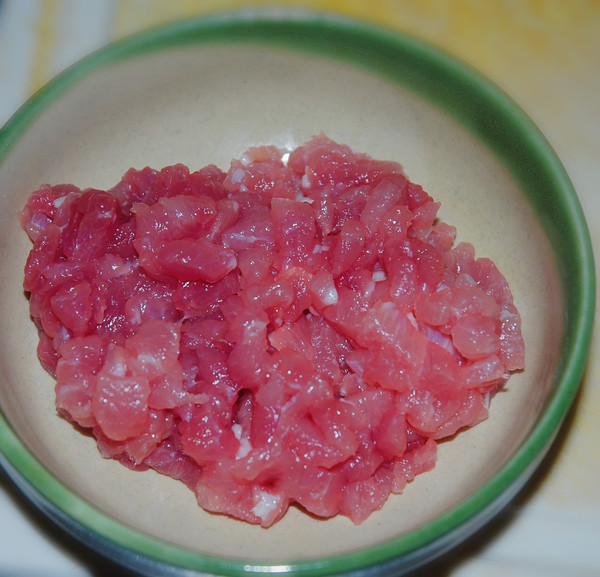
{"points": [[552, 529]]}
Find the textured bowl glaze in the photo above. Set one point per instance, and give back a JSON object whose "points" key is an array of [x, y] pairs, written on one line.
{"points": [[202, 92]]}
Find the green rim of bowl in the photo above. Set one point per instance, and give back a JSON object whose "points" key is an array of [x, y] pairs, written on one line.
{"points": [[476, 103]]}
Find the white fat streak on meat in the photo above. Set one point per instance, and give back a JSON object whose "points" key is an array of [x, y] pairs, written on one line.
{"points": [[265, 503], [119, 369], [330, 297], [442, 340], [135, 316], [197, 399], [412, 320], [487, 397], [253, 328], [231, 262], [40, 221], [467, 278], [356, 367], [149, 359], [379, 275], [237, 175], [301, 198], [305, 182], [120, 268], [245, 445], [506, 315], [368, 291]]}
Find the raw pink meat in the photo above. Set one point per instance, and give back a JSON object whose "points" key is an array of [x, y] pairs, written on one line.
{"points": [[300, 329]]}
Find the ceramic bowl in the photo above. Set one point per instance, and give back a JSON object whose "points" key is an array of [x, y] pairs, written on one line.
{"points": [[202, 92]]}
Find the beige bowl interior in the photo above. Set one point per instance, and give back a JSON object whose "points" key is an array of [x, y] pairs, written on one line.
{"points": [[205, 104]]}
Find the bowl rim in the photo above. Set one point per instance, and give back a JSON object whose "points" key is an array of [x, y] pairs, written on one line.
{"points": [[486, 111]]}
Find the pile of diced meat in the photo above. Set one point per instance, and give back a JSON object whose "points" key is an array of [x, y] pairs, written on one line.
{"points": [[297, 330]]}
